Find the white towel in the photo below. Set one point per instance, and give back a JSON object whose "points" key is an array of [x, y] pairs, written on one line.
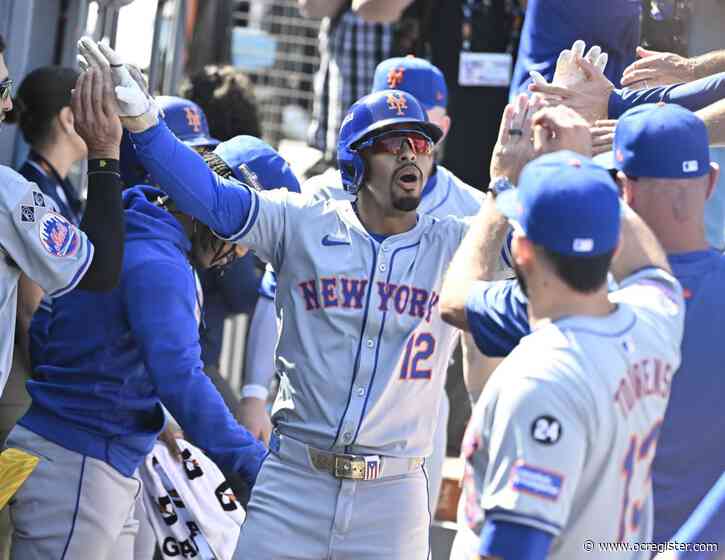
{"points": [[190, 505]]}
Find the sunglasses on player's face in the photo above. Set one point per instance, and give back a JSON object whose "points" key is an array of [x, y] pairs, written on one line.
{"points": [[392, 143], [6, 89]]}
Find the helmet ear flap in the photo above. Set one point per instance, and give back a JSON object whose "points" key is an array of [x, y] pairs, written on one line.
{"points": [[352, 169]]}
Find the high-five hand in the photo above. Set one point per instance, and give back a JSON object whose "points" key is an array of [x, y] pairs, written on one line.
{"points": [[138, 109]]}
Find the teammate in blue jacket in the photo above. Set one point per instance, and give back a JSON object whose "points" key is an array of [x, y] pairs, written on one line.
{"points": [[110, 363]]}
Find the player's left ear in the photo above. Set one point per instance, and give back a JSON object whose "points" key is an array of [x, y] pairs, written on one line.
{"points": [[712, 178], [65, 120], [625, 188]]}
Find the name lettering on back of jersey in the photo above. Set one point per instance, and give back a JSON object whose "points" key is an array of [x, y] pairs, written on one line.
{"points": [[648, 377], [349, 293], [546, 429], [536, 481]]}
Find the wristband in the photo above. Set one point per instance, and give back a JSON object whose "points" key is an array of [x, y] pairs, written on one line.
{"points": [[103, 165], [255, 391]]}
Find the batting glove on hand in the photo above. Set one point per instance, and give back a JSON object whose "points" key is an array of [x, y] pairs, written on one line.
{"points": [[568, 73], [138, 110]]}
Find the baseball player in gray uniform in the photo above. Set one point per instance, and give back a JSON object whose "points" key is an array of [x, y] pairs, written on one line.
{"points": [[444, 195], [37, 240], [561, 442], [360, 338]]}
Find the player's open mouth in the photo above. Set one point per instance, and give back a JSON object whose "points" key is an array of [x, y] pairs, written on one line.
{"points": [[408, 177]]}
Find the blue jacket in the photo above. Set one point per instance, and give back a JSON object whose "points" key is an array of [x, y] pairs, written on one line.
{"points": [[112, 359]]}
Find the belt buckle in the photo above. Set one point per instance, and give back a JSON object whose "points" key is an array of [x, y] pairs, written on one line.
{"points": [[357, 467]]}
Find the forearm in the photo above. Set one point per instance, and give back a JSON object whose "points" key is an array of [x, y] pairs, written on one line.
{"points": [[29, 296], [195, 189], [259, 360], [103, 223], [708, 64], [320, 8], [714, 119], [380, 11], [195, 403], [691, 95], [638, 249], [476, 259], [477, 367]]}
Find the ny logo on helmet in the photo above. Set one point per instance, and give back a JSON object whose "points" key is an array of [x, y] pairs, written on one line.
{"points": [[193, 119], [396, 102], [395, 77]]}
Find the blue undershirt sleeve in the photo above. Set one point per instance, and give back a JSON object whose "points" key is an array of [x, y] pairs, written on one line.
{"points": [[693, 95], [498, 318], [513, 541], [222, 204]]}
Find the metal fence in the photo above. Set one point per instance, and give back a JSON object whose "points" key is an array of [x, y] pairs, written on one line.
{"points": [[278, 48]]}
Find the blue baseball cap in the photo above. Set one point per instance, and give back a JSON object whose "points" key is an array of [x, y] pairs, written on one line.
{"points": [[256, 164], [566, 203], [417, 76], [186, 120], [663, 141]]}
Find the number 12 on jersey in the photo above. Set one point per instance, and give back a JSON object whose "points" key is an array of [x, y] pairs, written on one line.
{"points": [[420, 347]]}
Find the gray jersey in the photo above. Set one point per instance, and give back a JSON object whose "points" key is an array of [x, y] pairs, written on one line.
{"points": [[564, 434], [38, 241], [361, 340]]}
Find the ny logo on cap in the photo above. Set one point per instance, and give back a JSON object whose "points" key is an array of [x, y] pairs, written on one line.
{"points": [[395, 77], [396, 102], [193, 119]]}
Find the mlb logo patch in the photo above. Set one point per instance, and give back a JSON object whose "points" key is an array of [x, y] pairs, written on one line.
{"points": [[536, 481], [57, 236], [27, 213], [690, 166], [582, 245]]}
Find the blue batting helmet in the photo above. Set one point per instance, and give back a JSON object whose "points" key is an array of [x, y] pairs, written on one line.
{"points": [[366, 119]]}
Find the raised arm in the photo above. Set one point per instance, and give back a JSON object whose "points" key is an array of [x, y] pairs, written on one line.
{"points": [[220, 203], [714, 118], [663, 68], [478, 256]]}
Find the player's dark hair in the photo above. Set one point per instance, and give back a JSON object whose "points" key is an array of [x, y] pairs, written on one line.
{"points": [[217, 164], [40, 97], [226, 96], [2, 43], [582, 274]]}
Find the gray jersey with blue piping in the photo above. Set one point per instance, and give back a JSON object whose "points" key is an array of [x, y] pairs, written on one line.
{"points": [[362, 342], [36, 240]]}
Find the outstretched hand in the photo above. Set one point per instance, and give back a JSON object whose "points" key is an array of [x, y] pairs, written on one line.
{"points": [[138, 110], [568, 73], [590, 98], [514, 147], [561, 128], [657, 69], [96, 114]]}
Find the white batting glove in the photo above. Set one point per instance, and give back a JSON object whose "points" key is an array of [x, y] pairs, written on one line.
{"points": [[138, 110], [568, 73]]}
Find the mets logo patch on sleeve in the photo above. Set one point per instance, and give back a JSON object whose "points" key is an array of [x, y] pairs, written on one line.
{"points": [[536, 481], [58, 237]]}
